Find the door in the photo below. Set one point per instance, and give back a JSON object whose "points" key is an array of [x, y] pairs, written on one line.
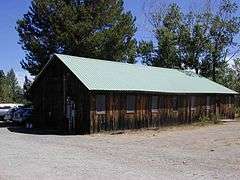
{"points": [[71, 114]]}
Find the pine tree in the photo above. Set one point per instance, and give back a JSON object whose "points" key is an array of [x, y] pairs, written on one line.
{"points": [[10, 91], [12, 82], [89, 28], [26, 86], [5, 90]]}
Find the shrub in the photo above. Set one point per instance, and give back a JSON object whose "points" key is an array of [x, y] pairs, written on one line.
{"points": [[214, 118], [237, 111]]}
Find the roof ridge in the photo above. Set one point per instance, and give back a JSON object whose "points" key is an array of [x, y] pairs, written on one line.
{"points": [[119, 62]]}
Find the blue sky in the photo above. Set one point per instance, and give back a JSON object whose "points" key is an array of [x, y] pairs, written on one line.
{"points": [[11, 10]]}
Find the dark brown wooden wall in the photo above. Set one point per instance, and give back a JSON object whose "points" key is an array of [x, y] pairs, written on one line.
{"points": [[77, 92], [117, 118], [49, 96]]}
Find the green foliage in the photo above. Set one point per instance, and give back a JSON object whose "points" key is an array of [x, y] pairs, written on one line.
{"points": [[88, 28], [26, 86], [204, 120], [193, 40], [237, 111], [230, 76], [223, 27], [212, 118], [167, 34], [10, 91]]}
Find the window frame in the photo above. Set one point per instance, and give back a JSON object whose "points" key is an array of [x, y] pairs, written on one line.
{"points": [[229, 101], [133, 103], [193, 103], [175, 103], [96, 103], [155, 109], [208, 102]]}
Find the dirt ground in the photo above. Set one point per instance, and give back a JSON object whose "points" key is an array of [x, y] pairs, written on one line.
{"points": [[211, 152]]}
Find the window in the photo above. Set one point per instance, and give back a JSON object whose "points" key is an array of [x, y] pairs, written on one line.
{"points": [[208, 102], [100, 104], [154, 104], [193, 99], [175, 103], [130, 104], [229, 101]]}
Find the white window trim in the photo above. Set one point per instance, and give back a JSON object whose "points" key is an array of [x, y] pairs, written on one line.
{"points": [[100, 112], [155, 110], [130, 111]]}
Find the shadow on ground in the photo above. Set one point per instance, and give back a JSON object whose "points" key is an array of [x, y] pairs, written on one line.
{"points": [[23, 130], [15, 128]]}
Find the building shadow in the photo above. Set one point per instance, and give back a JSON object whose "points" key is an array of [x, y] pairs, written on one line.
{"points": [[34, 131], [15, 128], [4, 124]]}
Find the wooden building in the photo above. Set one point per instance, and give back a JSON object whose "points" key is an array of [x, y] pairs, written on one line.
{"points": [[88, 96]]}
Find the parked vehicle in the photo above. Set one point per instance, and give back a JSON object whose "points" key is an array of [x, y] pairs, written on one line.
{"points": [[3, 111], [9, 115], [22, 115], [4, 108]]}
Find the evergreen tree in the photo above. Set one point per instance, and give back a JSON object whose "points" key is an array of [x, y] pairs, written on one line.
{"points": [[89, 28], [12, 82], [5, 90], [10, 91], [26, 86]]}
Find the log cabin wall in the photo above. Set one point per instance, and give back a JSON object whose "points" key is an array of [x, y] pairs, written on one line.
{"points": [[187, 109], [226, 106], [49, 98], [79, 94]]}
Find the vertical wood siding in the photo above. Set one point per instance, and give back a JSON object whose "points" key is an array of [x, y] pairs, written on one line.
{"points": [[49, 99], [117, 118]]}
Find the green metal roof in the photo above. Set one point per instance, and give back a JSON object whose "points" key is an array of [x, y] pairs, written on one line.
{"points": [[114, 76]]}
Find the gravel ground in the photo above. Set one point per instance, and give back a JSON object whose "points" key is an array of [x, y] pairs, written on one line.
{"points": [[211, 152]]}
